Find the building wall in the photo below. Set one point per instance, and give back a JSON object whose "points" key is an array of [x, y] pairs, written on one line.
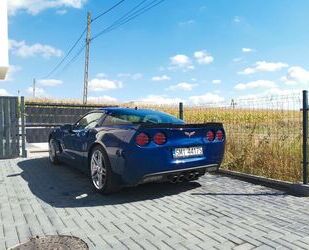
{"points": [[4, 54]]}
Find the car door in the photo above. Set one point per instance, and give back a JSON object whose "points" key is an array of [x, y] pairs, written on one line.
{"points": [[75, 142]]}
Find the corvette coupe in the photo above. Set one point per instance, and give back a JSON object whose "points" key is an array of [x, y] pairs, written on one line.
{"points": [[120, 147]]}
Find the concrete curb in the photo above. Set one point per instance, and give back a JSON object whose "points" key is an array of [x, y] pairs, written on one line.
{"points": [[296, 189], [38, 151]]}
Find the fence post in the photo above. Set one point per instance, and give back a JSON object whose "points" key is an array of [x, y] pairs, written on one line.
{"points": [[181, 110], [305, 136], [23, 130]]}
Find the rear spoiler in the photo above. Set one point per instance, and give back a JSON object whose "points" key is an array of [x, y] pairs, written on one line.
{"points": [[171, 125]]}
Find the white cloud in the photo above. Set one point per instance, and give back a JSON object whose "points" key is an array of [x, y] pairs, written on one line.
{"points": [[206, 99], [184, 62], [272, 92], [181, 61], [23, 50], [103, 84], [160, 78], [101, 75], [4, 92], [279, 91], [159, 100], [247, 50], [263, 66], [102, 99], [237, 19], [50, 82], [216, 81], [39, 92], [237, 59], [61, 12], [203, 57], [296, 76], [13, 69], [135, 76], [255, 84], [34, 7], [182, 86]]}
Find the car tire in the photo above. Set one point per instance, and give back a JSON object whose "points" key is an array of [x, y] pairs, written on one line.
{"points": [[53, 149], [101, 174]]}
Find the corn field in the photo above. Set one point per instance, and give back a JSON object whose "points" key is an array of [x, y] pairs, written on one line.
{"points": [[264, 135]]}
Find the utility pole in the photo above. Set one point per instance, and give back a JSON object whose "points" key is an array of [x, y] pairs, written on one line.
{"points": [[33, 88], [233, 104], [88, 40]]}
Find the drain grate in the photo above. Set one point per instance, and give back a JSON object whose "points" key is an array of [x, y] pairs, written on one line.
{"points": [[59, 242]]}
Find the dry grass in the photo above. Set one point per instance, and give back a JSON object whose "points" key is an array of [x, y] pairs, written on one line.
{"points": [[67, 101], [260, 142], [265, 142]]}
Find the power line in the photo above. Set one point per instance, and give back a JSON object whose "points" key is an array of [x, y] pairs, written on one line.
{"points": [[67, 54], [79, 38], [124, 19], [129, 12], [107, 11], [135, 12], [138, 13], [73, 59]]}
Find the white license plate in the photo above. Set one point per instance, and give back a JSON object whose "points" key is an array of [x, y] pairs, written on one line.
{"points": [[187, 152]]}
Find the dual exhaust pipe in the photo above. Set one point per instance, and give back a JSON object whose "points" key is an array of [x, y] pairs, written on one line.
{"points": [[183, 177]]}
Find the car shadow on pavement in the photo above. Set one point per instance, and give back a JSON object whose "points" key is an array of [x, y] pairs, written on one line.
{"points": [[64, 186]]}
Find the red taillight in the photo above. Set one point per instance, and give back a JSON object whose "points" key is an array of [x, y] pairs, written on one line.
{"points": [[142, 139], [210, 135], [219, 135], [159, 138]]}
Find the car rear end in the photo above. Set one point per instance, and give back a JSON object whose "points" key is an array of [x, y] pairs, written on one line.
{"points": [[174, 152]]}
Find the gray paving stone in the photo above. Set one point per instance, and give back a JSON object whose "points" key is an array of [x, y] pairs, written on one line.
{"points": [[245, 246], [226, 245], [264, 247], [217, 213]]}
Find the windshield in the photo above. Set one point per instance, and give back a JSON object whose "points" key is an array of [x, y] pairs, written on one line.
{"points": [[140, 116]]}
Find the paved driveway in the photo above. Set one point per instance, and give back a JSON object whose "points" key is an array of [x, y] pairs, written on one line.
{"points": [[216, 212]]}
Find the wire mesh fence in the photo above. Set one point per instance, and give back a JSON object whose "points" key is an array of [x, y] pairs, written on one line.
{"points": [[264, 135]]}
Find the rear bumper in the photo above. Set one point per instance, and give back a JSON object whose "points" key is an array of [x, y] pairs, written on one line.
{"points": [[180, 174]]}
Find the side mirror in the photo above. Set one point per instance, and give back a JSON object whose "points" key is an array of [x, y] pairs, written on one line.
{"points": [[67, 127]]}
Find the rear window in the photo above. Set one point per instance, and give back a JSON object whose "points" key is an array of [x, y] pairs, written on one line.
{"points": [[139, 117]]}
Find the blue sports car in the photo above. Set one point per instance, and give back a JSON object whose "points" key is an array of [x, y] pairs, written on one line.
{"points": [[120, 147]]}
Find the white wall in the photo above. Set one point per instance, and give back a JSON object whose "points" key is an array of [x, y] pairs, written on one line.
{"points": [[4, 54]]}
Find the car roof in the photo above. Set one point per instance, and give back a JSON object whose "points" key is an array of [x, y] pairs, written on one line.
{"points": [[129, 110]]}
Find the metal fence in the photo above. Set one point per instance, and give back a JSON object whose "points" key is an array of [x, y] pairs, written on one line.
{"points": [[9, 127], [264, 135], [42, 117]]}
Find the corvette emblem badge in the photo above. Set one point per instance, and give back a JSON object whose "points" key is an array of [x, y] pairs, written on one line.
{"points": [[190, 134]]}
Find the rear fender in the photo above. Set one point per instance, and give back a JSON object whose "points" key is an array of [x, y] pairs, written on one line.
{"points": [[96, 143]]}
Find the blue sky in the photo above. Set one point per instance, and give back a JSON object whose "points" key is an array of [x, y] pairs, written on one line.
{"points": [[196, 51]]}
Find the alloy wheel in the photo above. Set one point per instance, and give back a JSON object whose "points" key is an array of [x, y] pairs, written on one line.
{"points": [[52, 150], [98, 169]]}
